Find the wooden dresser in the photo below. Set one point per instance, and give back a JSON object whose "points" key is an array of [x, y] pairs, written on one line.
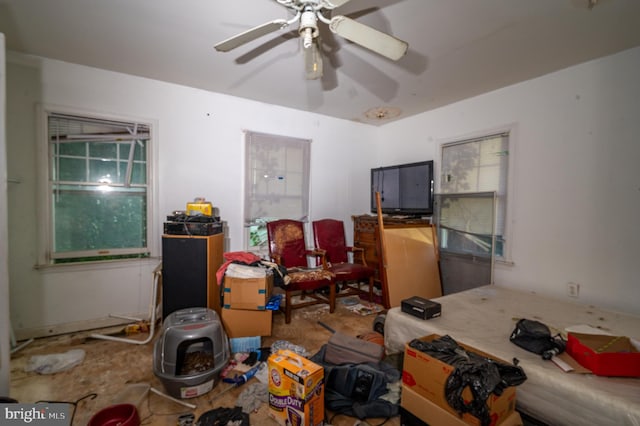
{"points": [[366, 235]]}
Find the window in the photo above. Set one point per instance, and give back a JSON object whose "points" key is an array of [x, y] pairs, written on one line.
{"points": [[97, 189], [476, 166], [276, 184]]}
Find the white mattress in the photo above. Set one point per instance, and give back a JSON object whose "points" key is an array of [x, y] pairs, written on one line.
{"points": [[484, 318]]}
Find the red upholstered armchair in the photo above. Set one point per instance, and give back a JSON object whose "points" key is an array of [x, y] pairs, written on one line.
{"points": [[329, 236], [287, 247]]}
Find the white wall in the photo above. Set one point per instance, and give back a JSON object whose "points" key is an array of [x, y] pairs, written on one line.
{"points": [[4, 246], [200, 154], [573, 208], [575, 195]]}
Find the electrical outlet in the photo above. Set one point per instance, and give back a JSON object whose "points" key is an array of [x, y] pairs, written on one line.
{"points": [[573, 289]]}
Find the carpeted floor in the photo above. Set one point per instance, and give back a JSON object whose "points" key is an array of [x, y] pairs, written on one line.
{"points": [[110, 368]]}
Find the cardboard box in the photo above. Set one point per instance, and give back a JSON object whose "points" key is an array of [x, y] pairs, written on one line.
{"points": [[245, 344], [427, 377], [296, 390], [247, 293], [421, 308], [605, 355], [246, 323], [419, 411]]}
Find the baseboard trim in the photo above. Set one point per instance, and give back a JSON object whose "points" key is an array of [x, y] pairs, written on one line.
{"points": [[73, 327]]}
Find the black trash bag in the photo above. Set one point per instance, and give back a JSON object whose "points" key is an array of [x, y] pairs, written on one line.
{"points": [[483, 376]]}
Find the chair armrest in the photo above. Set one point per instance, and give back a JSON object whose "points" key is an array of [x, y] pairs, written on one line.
{"points": [[359, 253], [277, 259], [320, 255]]}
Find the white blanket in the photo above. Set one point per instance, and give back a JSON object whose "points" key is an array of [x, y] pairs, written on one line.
{"points": [[484, 318]]}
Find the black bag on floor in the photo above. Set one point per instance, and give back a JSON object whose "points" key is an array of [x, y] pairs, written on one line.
{"points": [[344, 349], [355, 389]]}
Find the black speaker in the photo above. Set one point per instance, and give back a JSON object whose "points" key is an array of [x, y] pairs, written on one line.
{"points": [[188, 272]]}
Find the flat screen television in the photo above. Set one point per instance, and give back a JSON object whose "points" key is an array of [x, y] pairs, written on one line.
{"points": [[405, 189]]}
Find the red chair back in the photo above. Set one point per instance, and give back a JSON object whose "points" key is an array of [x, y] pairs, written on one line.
{"points": [[286, 241], [329, 235]]}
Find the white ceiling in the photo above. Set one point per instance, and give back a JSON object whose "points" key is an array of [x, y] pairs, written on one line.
{"points": [[457, 48]]}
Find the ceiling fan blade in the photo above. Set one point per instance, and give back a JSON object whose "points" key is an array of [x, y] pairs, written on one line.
{"points": [[312, 61], [332, 4], [250, 35], [364, 35]]}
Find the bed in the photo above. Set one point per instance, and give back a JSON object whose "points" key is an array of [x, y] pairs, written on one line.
{"points": [[484, 318]]}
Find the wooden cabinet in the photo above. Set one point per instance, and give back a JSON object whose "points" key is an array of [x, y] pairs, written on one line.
{"points": [[365, 236], [189, 266]]}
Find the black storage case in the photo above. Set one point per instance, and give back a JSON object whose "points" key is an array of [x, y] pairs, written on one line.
{"points": [[421, 308], [192, 228]]}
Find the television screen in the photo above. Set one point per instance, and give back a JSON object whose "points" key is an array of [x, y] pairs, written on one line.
{"points": [[405, 189]]}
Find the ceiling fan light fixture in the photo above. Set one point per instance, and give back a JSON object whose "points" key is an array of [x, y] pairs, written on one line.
{"points": [[312, 62], [382, 113], [308, 27]]}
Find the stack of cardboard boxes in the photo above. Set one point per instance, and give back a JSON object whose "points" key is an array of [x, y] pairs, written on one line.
{"points": [[244, 312], [423, 398]]}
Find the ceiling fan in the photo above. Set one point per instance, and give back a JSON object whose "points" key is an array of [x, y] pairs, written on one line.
{"points": [[308, 13]]}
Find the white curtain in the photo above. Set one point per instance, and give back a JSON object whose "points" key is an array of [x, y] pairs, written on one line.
{"points": [[276, 178]]}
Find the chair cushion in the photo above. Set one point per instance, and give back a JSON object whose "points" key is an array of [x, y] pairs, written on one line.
{"points": [[311, 275], [351, 271]]}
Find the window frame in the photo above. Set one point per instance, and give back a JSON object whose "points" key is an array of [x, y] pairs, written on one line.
{"points": [[45, 219], [511, 130]]}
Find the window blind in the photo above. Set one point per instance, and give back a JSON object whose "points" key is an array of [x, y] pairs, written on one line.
{"points": [[276, 178], [478, 165]]}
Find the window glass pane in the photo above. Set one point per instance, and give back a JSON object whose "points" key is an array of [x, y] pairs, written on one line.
{"points": [[87, 218], [103, 150], [258, 234], [466, 222], [73, 149], [140, 153], [71, 169], [123, 150], [139, 174], [103, 171]]}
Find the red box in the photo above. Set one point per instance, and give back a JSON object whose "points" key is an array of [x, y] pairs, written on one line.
{"points": [[605, 355]]}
